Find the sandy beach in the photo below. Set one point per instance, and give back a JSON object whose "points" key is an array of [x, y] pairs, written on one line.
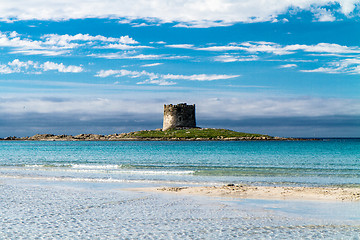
{"points": [[265, 192]]}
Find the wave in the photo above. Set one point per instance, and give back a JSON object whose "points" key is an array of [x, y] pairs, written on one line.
{"points": [[96, 169], [88, 166], [127, 169], [278, 172], [103, 180]]}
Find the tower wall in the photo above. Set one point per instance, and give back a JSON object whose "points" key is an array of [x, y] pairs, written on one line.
{"points": [[179, 116]]}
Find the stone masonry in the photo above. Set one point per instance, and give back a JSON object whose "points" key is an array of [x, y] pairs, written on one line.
{"points": [[179, 116]]}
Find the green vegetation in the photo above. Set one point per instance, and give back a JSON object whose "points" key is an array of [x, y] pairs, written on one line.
{"points": [[192, 134], [208, 133]]}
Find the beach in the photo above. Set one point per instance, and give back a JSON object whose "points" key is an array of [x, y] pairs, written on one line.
{"points": [[265, 192], [33, 209], [179, 190], [186, 119]]}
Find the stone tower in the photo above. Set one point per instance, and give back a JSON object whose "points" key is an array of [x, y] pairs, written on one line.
{"points": [[179, 116]]}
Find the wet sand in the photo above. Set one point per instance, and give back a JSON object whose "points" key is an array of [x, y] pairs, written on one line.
{"points": [[265, 192]]}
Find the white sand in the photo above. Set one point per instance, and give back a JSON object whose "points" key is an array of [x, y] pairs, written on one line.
{"points": [[264, 192]]}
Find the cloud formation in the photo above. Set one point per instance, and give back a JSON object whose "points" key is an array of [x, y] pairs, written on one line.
{"points": [[237, 108], [138, 56], [207, 108], [17, 66], [162, 79], [349, 66], [274, 116], [290, 65], [187, 13], [151, 64], [277, 49], [54, 44], [234, 58]]}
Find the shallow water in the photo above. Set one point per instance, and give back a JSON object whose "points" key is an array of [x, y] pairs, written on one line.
{"points": [[40, 210], [76, 190]]}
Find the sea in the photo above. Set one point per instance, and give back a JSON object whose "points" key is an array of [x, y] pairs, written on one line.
{"points": [[80, 189]]}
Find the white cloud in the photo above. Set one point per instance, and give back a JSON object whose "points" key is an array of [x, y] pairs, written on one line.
{"points": [[210, 108], [323, 48], [151, 64], [203, 24], [160, 82], [323, 15], [223, 48], [187, 13], [348, 66], [239, 108], [322, 69], [40, 52], [277, 49], [135, 55], [251, 47], [60, 67], [199, 77], [17, 66], [123, 46], [106, 73], [144, 56], [161, 79], [226, 58], [75, 106], [128, 55], [153, 78], [4, 69], [54, 44], [65, 40], [233, 58], [98, 41], [148, 24], [348, 6], [288, 66], [13, 40], [124, 72], [184, 46]]}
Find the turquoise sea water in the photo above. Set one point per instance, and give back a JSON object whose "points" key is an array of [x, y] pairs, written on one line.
{"points": [[328, 162], [77, 190]]}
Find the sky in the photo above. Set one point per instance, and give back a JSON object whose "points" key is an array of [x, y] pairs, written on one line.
{"points": [[286, 68]]}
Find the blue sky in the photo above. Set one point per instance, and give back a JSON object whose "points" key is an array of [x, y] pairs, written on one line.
{"points": [[284, 68]]}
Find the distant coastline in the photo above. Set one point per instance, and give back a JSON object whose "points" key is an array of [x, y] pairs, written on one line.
{"points": [[192, 134]]}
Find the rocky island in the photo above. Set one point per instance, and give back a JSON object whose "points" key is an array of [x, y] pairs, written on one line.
{"points": [[179, 124], [192, 134]]}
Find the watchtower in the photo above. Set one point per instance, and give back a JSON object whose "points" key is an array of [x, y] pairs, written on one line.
{"points": [[179, 116]]}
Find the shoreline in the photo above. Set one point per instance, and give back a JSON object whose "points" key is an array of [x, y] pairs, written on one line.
{"points": [[181, 134], [119, 138], [263, 192], [155, 140]]}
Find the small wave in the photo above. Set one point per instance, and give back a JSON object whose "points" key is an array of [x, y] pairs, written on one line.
{"points": [[101, 180], [74, 166], [46, 165], [88, 166], [97, 169], [277, 172]]}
